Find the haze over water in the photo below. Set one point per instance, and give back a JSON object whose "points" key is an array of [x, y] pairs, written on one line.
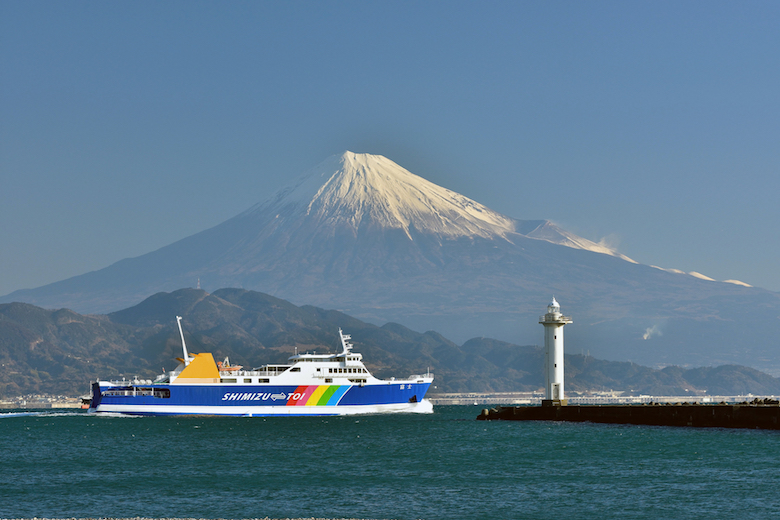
{"points": [[444, 465]]}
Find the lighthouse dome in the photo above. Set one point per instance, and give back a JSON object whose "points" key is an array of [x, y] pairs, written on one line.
{"points": [[553, 308]]}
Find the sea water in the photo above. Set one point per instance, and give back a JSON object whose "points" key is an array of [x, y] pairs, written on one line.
{"points": [[404, 466]]}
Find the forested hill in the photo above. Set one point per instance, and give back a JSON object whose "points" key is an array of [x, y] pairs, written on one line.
{"points": [[61, 352]]}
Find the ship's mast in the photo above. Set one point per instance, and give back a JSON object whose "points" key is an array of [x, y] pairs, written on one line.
{"points": [[183, 344], [347, 346]]}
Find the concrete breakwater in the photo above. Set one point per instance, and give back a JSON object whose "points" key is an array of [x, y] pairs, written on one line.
{"points": [[760, 415]]}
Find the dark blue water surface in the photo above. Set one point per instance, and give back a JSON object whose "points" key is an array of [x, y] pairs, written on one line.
{"points": [[443, 465]]}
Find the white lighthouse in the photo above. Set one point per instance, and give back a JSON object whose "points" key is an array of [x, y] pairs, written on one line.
{"points": [[553, 323]]}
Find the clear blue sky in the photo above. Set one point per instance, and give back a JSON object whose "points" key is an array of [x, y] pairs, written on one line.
{"points": [[125, 126]]}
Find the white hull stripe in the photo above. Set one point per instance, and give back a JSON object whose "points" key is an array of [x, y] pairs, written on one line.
{"points": [[422, 407]]}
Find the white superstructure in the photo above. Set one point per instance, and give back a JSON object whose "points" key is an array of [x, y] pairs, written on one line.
{"points": [[553, 323]]}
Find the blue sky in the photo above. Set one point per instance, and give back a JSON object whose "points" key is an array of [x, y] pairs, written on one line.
{"points": [[125, 126]]}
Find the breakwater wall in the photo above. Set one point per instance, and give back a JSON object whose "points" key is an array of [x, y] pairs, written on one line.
{"points": [[765, 415]]}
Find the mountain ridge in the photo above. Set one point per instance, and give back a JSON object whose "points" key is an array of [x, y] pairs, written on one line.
{"points": [[345, 236], [235, 245], [60, 351]]}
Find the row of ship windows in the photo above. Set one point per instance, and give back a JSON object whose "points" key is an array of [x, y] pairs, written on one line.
{"points": [[347, 371], [164, 393], [246, 380], [249, 380], [338, 359]]}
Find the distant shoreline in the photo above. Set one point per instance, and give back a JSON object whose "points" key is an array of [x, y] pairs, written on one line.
{"points": [[535, 398], [40, 402]]}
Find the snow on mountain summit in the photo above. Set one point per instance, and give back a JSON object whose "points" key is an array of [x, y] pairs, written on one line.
{"points": [[362, 189]]}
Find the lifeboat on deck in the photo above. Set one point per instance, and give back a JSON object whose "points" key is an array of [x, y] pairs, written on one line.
{"points": [[225, 366]]}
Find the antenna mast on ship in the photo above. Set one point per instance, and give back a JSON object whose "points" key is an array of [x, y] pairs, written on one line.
{"points": [[183, 344], [347, 346]]}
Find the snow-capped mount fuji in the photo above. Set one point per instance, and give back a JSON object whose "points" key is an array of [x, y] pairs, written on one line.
{"points": [[362, 191], [360, 234], [356, 190]]}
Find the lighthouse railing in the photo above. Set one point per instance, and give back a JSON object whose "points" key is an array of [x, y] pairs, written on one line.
{"points": [[553, 318]]}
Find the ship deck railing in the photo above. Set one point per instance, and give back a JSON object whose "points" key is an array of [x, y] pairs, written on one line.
{"points": [[416, 377], [250, 373], [131, 382]]}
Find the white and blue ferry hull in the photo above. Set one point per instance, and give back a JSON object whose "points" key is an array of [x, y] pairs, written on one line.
{"points": [[260, 400]]}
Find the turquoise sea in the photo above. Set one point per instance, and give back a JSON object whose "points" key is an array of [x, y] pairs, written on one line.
{"points": [[443, 465]]}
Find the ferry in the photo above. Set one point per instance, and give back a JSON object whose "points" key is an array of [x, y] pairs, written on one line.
{"points": [[309, 384]]}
